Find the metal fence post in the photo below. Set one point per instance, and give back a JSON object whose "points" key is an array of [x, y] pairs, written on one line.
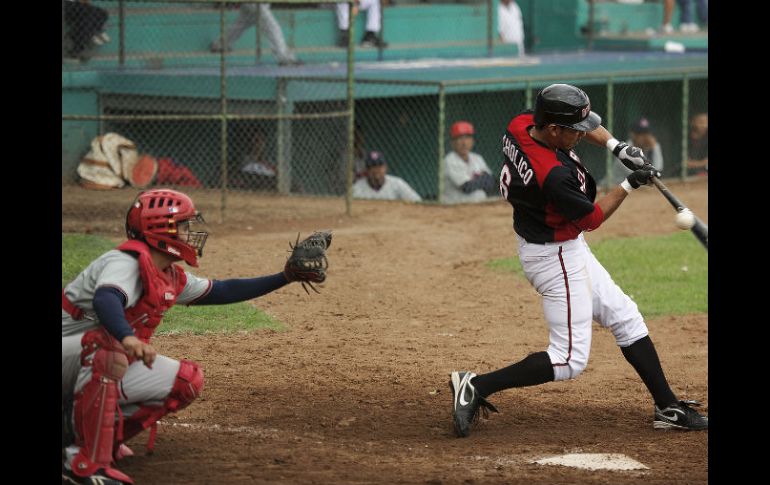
{"points": [[489, 28], [441, 122], [223, 113], [122, 33], [282, 132], [685, 127], [610, 163], [351, 116], [258, 33]]}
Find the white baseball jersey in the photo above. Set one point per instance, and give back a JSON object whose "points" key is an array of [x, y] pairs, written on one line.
{"points": [[457, 172], [394, 188]]}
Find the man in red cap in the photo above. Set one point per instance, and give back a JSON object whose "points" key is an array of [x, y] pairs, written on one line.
{"points": [[467, 177]]}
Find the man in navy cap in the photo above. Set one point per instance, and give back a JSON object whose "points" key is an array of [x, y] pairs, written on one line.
{"points": [[379, 185]]}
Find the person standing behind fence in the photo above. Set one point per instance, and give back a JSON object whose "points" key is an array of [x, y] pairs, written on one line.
{"points": [[379, 185], [467, 177], [372, 37], [268, 25], [510, 26]]}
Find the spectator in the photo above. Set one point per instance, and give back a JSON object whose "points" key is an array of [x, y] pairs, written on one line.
{"points": [[268, 25], [698, 146], [509, 24], [379, 185], [686, 23], [257, 171], [467, 177], [372, 36], [85, 28], [642, 137]]}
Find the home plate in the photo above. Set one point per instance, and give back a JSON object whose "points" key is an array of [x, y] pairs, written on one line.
{"points": [[594, 461]]}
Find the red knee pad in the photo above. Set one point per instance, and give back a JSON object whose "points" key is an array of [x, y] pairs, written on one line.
{"points": [[187, 387], [110, 364]]}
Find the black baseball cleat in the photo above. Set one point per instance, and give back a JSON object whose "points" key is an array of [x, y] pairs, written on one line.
{"points": [[371, 39], [466, 402], [98, 478], [680, 416]]}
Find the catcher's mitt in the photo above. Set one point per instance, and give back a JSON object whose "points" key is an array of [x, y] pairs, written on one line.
{"points": [[307, 262]]}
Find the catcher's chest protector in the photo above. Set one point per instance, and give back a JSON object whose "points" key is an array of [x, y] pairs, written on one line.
{"points": [[161, 289]]}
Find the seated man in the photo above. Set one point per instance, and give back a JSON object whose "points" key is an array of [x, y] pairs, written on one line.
{"points": [[698, 148], [379, 185], [373, 23], [642, 137], [467, 177]]}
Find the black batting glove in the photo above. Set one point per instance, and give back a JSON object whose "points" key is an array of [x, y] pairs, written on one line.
{"points": [[642, 176], [632, 157]]}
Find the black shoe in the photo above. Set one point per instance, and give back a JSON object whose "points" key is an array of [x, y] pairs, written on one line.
{"points": [[371, 39], [98, 478], [466, 402], [680, 416], [343, 39]]}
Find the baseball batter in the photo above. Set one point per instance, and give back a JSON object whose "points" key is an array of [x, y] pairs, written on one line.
{"points": [[553, 198], [114, 384]]}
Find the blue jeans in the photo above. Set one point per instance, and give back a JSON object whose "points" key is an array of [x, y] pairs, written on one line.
{"points": [[686, 7]]}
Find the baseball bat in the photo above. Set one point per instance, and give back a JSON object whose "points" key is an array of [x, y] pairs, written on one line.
{"points": [[700, 229]]}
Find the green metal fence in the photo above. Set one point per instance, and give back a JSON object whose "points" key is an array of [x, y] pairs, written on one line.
{"points": [[240, 123]]}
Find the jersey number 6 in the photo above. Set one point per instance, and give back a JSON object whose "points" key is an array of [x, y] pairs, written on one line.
{"points": [[505, 181]]}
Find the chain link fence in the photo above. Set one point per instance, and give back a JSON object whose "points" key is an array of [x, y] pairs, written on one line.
{"points": [[236, 121]]}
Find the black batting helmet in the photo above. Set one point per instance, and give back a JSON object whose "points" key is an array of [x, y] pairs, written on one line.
{"points": [[565, 105]]}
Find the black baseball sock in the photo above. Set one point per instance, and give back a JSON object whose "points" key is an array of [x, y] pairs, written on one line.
{"points": [[532, 370], [642, 355]]}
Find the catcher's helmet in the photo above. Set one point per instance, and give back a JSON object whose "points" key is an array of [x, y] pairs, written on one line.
{"points": [[155, 217], [461, 128], [565, 105]]}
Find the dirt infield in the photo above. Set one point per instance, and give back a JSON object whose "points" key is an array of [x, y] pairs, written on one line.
{"points": [[355, 390]]}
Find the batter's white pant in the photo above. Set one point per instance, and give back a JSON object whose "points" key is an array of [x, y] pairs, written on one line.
{"points": [[247, 17], [373, 15], [576, 290]]}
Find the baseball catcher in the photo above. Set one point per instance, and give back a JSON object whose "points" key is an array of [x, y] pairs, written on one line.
{"points": [[114, 384]]}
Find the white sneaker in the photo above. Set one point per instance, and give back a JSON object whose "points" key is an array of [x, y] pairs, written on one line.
{"points": [[689, 28], [667, 29]]}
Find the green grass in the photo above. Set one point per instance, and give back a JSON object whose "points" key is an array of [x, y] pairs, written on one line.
{"points": [[650, 271], [78, 250]]}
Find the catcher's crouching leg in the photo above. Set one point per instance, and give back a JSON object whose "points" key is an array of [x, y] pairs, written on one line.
{"points": [[187, 387], [95, 406]]}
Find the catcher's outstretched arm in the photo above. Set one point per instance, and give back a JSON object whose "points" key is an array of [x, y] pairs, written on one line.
{"points": [[235, 290]]}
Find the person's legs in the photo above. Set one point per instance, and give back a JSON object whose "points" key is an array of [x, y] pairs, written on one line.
{"points": [[558, 273], [373, 15], [703, 11], [615, 310], [342, 16], [247, 17], [685, 11], [272, 30], [146, 395]]}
